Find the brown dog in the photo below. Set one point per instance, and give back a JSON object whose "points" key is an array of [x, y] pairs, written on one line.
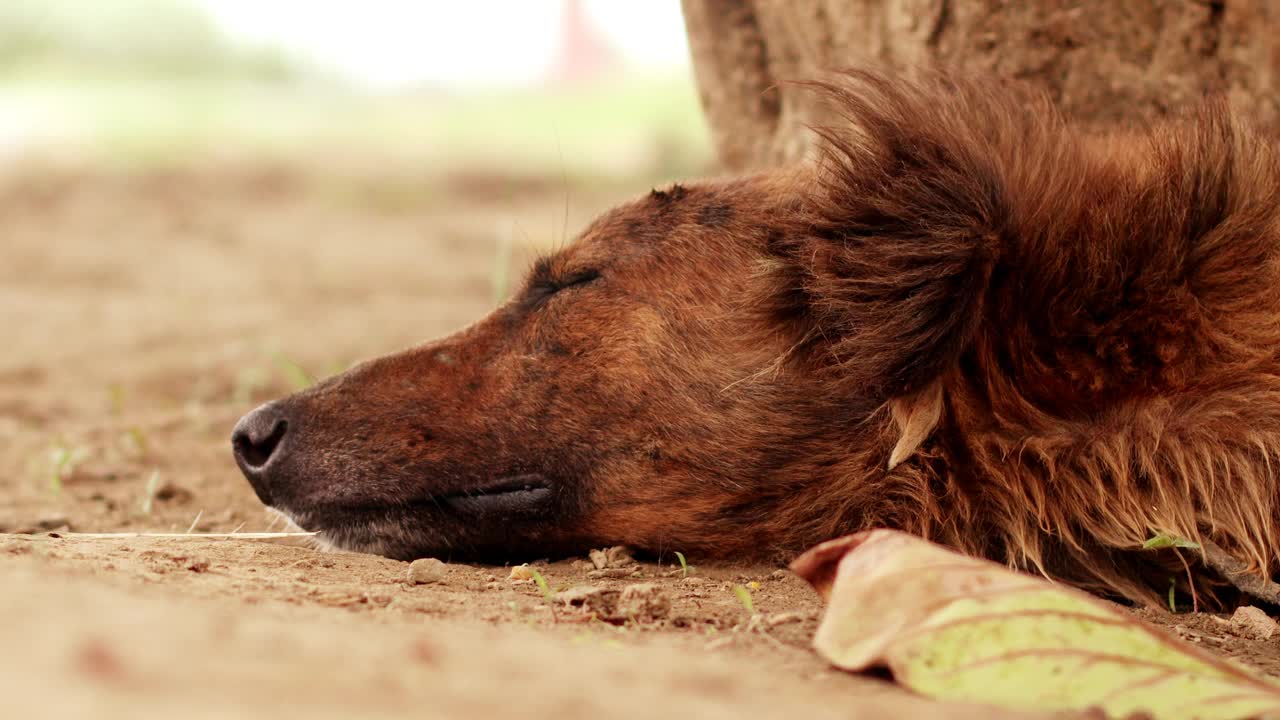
{"points": [[966, 320]]}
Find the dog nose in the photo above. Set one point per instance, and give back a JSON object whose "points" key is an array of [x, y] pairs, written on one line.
{"points": [[258, 441]]}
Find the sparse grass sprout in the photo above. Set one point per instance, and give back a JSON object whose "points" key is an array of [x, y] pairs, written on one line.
{"points": [[684, 564], [149, 493]]}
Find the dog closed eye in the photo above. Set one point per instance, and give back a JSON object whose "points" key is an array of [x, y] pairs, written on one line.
{"points": [[581, 277], [543, 284]]}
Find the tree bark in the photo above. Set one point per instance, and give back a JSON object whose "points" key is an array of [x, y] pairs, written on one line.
{"points": [[1102, 61]]}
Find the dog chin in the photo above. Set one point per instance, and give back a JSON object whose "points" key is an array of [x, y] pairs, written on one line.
{"points": [[385, 537]]}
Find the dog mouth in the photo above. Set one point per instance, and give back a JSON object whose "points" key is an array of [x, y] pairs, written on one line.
{"points": [[512, 495], [464, 523]]}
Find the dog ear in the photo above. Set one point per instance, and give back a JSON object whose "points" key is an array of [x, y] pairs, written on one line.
{"points": [[904, 226], [916, 416]]}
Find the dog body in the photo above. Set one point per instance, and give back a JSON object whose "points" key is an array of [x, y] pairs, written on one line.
{"points": [[965, 319]]}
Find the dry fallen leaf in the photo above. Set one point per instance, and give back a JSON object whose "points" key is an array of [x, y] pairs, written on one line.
{"points": [[958, 628]]}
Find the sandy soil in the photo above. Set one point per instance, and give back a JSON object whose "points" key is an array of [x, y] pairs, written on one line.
{"points": [[143, 314]]}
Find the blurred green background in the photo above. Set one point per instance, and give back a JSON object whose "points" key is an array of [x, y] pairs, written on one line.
{"points": [[157, 83]]}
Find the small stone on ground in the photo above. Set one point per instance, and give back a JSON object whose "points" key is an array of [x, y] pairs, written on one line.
{"points": [[427, 571], [644, 602], [618, 556], [1253, 622]]}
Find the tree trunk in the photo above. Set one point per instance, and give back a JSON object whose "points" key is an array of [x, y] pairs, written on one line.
{"points": [[1102, 61]]}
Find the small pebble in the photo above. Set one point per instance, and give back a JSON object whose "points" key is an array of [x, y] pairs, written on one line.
{"points": [[618, 556], [426, 571], [601, 601], [599, 559], [643, 602], [1254, 623]]}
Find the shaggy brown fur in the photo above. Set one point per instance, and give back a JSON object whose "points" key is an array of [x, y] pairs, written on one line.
{"points": [[966, 320]]}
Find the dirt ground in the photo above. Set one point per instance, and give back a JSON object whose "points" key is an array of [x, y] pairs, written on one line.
{"points": [[143, 313]]}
